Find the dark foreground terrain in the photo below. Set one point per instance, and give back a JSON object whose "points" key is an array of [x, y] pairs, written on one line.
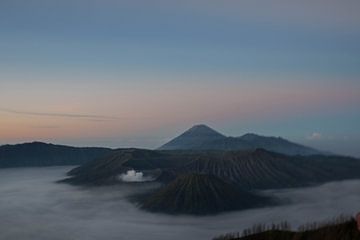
{"points": [[346, 230]]}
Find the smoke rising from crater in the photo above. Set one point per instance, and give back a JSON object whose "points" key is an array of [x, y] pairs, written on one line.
{"points": [[134, 176]]}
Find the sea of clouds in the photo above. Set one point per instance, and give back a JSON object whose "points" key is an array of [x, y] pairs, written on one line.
{"points": [[33, 206]]}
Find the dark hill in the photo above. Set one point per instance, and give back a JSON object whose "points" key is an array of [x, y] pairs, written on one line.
{"points": [[43, 154], [202, 137], [200, 194]]}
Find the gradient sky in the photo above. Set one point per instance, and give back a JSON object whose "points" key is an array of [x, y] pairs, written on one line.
{"points": [[136, 73]]}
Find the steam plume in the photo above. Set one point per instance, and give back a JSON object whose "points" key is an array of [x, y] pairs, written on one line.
{"points": [[134, 176]]}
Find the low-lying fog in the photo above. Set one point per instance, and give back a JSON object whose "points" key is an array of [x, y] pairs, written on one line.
{"points": [[32, 206]]}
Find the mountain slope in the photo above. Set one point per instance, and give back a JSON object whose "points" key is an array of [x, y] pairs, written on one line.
{"points": [[262, 169], [252, 141], [200, 194], [277, 144], [258, 169], [107, 169], [43, 154], [193, 138], [201, 137]]}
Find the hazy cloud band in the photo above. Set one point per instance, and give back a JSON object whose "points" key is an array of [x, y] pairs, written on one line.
{"points": [[63, 115]]}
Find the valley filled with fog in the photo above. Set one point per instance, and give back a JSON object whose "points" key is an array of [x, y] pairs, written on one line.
{"points": [[33, 206]]}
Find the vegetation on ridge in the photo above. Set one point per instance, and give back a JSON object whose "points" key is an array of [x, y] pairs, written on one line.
{"points": [[341, 228]]}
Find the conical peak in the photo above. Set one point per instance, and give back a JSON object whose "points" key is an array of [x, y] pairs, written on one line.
{"points": [[202, 129], [193, 138]]}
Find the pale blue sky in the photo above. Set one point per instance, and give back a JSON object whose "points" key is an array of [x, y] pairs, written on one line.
{"points": [[154, 68]]}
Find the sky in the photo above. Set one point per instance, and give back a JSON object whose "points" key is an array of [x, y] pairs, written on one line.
{"points": [[137, 73]]}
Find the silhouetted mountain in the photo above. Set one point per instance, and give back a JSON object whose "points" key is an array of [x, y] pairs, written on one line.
{"points": [[258, 169], [193, 138], [200, 194], [201, 137], [43, 154]]}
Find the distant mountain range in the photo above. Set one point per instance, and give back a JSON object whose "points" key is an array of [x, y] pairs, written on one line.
{"points": [[197, 138], [201, 171], [42, 154], [205, 172], [202, 137], [193, 179], [256, 169]]}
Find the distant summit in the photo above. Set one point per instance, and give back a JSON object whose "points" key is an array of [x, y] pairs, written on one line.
{"points": [[202, 137], [203, 130], [193, 138]]}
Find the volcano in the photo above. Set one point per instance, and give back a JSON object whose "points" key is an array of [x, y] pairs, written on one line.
{"points": [[200, 194], [202, 137]]}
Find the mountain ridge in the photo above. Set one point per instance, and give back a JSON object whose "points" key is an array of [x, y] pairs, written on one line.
{"points": [[202, 137], [33, 154], [252, 169]]}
